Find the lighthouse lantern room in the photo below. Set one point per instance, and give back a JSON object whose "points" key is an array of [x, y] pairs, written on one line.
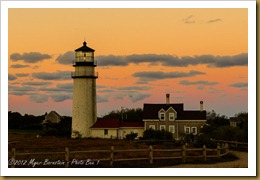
{"points": [[84, 53], [84, 111]]}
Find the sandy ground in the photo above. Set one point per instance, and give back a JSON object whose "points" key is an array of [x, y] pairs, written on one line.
{"points": [[242, 162]]}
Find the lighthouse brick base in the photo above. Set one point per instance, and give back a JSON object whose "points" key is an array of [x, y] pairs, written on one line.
{"points": [[84, 107]]}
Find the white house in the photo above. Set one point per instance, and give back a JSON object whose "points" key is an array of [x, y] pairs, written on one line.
{"points": [[116, 129]]}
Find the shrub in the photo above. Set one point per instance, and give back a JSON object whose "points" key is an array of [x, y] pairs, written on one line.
{"points": [[76, 135], [131, 137], [189, 138], [203, 139], [62, 129], [157, 135]]}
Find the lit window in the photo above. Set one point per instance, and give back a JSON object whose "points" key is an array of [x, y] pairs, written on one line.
{"points": [[187, 130], [162, 127], [171, 128], [151, 126], [171, 116]]}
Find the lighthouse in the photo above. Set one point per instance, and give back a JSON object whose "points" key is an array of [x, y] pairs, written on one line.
{"points": [[84, 108]]}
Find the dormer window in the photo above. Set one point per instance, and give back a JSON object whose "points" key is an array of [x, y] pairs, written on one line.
{"points": [[162, 116], [171, 116]]}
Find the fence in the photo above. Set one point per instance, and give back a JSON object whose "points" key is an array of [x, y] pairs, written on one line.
{"points": [[203, 154], [234, 144]]}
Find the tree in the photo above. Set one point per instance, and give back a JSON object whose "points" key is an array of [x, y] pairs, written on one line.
{"points": [[15, 120], [61, 129], [215, 119], [29, 122], [218, 128], [242, 119], [125, 114], [243, 123]]}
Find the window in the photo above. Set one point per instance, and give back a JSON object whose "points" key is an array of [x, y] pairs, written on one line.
{"points": [[171, 128], [151, 126], [187, 130], [234, 124], [162, 116], [162, 127], [171, 116], [105, 131], [194, 130]]}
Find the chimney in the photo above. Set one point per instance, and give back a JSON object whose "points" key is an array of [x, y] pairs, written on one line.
{"points": [[201, 106], [167, 98]]}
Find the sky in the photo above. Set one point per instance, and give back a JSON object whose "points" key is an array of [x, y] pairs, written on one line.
{"points": [[142, 54]]}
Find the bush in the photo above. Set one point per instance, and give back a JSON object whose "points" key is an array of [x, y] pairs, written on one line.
{"points": [[62, 129], [157, 135], [204, 140], [189, 138], [131, 137]]}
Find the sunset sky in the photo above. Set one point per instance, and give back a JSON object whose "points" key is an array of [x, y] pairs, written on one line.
{"points": [[142, 54]]}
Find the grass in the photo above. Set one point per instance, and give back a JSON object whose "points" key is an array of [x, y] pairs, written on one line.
{"points": [[28, 142]]}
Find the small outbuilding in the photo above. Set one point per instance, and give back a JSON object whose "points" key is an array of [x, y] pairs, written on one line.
{"points": [[52, 117]]}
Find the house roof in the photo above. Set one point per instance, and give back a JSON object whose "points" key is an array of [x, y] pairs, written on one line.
{"points": [[54, 112], [49, 117], [191, 115], [107, 123], [151, 112], [85, 48], [132, 124], [115, 123]]}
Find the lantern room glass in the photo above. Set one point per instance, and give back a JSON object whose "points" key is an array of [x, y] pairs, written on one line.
{"points": [[84, 56]]}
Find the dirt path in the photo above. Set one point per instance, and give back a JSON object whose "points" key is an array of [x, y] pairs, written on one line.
{"points": [[242, 162]]}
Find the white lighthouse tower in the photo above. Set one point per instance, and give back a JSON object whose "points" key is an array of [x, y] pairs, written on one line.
{"points": [[84, 110]]}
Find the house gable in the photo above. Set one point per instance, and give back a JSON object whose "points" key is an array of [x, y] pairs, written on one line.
{"points": [[52, 117], [171, 114], [170, 109]]}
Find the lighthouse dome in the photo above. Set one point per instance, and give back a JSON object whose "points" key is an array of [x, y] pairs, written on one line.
{"points": [[85, 48]]}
